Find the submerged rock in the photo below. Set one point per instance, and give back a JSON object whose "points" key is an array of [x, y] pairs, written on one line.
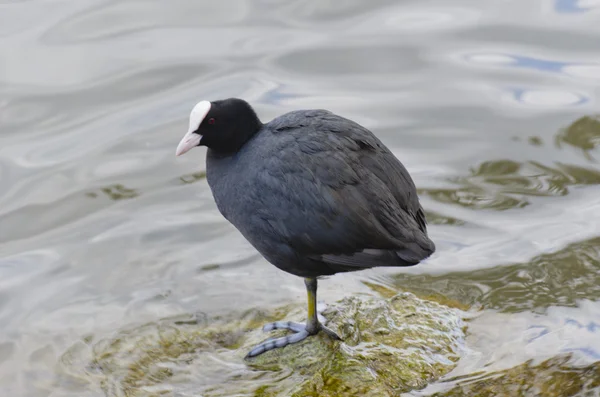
{"points": [[554, 377], [390, 346]]}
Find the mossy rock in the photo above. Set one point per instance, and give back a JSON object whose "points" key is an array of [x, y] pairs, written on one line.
{"points": [[389, 346], [554, 377]]}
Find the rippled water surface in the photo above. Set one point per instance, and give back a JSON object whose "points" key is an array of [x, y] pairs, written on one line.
{"points": [[490, 105]]}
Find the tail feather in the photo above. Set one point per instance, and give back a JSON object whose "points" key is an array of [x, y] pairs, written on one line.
{"points": [[365, 260], [410, 255]]}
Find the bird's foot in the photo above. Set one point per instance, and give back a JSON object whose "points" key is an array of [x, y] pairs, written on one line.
{"points": [[301, 332]]}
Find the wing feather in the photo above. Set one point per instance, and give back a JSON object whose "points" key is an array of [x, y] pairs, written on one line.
{"points": [[350, 203]]}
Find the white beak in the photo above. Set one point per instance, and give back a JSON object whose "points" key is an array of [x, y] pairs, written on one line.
{"points": [[192, 139]]}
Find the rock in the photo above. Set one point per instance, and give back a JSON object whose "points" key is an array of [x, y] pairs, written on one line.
{"points": [[390, 346], [554, 377]]}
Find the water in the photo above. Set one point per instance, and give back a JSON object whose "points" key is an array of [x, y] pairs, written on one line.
{"points": [[490, 105]]}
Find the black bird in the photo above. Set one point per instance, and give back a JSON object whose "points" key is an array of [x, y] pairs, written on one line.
{"points": [[315, 193]]}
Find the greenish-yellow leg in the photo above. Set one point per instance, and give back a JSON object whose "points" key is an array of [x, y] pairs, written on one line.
{"points": [[301, 331]]}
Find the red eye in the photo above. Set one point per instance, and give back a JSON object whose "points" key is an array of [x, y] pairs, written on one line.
{"points": [[211, 121]]}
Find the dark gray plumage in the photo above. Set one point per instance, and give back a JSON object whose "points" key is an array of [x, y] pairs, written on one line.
{"points": [[313, 192]]}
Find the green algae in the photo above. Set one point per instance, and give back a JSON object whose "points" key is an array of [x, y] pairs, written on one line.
{"points": [[555, 377], [560, 278], [583, 133], [391, 345]]}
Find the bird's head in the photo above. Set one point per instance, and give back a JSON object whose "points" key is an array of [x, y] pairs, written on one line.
{"points": [[223, 126]]}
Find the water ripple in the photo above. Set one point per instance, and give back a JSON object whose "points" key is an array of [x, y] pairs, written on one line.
{"points": [[547, 98], [575, 6], [488, 104], [90, 24], [580, 70]]}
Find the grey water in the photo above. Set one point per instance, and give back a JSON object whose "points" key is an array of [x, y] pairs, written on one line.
{"points": [[490, 105]]}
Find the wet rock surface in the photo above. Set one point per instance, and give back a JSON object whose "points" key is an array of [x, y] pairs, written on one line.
{"points": [[555, 377], [389, 346]]}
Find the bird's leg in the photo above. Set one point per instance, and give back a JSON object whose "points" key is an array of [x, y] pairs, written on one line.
{"points": [[313, 325], [301, 331]]}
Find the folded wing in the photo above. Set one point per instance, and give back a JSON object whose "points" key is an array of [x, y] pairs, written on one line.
{"points": [[339, 197]]}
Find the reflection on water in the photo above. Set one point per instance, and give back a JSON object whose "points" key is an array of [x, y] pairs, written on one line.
{"points": [[501, 184], [577, 70], [554, 377], [490, 105], [571, 6], [115, 192], [191, 178], [583, 133], [562, 278], [505, 184], [433, 218]]}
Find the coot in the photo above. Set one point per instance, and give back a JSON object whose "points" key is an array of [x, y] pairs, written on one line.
{"points": [[315, 193]]}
